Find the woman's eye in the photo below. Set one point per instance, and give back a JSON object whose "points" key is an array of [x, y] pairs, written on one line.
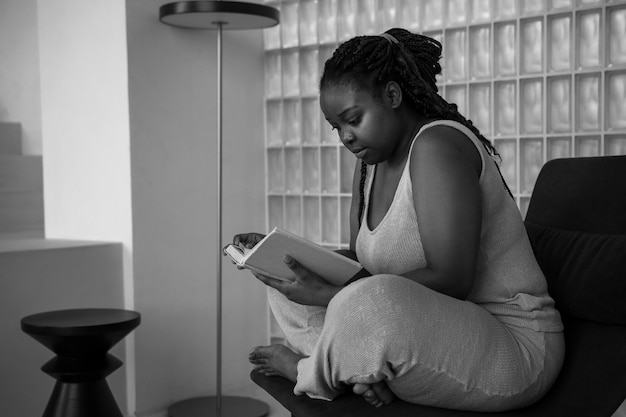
{"points": [[355, 121]]}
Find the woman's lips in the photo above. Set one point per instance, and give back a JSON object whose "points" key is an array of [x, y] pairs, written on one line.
{"points": [[360, 153]]}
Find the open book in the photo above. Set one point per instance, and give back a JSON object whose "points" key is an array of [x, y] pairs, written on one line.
{"points": [[267, 258]]}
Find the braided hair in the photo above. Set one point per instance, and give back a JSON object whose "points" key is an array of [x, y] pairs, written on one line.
{"points": [[409, 59]]}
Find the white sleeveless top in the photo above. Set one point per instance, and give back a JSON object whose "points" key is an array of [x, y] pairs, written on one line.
{"points": [[509, 282]]}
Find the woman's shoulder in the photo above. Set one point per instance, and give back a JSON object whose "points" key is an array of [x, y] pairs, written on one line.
{"points": [[440, 140], [445, 127], [442, 135]]}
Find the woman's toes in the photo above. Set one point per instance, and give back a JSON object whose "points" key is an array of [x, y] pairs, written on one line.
{"points": [[277, 360], [376, 394], [372, 399], [259, 354], [369, 395], [261, 369], [383, 392], [259, 361], [366, 391], [360, 389], [266, 370]]}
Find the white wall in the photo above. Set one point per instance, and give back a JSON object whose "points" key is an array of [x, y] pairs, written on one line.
{"points": [[85, 127], [128, 121], [172, 86], [84, 95], [19, 70]]}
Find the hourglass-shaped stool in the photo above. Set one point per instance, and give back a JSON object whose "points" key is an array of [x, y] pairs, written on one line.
{"points": [[81, 339]]}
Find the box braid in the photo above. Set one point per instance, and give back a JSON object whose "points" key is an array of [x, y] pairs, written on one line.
{"points": [[369, 62]]}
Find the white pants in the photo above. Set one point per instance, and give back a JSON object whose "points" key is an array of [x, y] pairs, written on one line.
{"points": [[429, 348]]}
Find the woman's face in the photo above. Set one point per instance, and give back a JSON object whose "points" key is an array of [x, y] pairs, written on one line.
{"points": [[367, 126]]}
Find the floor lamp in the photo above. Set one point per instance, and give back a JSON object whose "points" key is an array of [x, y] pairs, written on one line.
{"points": [[219, 15]]}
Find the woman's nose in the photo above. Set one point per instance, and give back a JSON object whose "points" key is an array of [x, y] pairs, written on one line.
{"points": [[347, 136]]}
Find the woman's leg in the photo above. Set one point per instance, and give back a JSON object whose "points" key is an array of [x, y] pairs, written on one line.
{"points": [[429, 348], [301, 324]]}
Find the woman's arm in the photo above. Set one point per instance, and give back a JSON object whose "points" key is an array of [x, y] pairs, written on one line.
{"points": [[445, 170], [354, 206]]}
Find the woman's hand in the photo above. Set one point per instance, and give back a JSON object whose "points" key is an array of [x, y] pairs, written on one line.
{"points": [[308, 288], [244, 240], [247, 240]]}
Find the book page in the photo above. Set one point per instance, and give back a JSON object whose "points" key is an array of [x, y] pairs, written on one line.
{"points": [[269, 254], [235, 253]]}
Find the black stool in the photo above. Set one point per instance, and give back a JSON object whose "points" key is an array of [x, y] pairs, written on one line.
{"points": [[81, 339]]}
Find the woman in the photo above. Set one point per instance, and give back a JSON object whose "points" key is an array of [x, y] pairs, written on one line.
{"points": [[456, 313]]}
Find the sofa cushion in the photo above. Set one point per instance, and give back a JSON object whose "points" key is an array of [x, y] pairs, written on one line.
{"points": [[585, 272]]}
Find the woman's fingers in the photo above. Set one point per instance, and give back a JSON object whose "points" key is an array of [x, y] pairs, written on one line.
{"points": [[247, 239], [301, 272], [271, 282]]}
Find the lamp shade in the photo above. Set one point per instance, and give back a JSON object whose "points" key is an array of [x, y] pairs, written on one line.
{"points": [[232, 15]]}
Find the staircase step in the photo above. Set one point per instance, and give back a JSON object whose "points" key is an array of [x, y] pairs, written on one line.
{"points": [[10, 138], [21, 234], [21, 211], [29, 244], [21, 173]]}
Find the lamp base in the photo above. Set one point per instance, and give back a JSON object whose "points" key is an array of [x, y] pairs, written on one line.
{"points": [[230, 407]]}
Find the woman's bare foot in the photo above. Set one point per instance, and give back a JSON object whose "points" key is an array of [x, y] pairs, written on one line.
{"points": [[275, 360], [377, 394]]}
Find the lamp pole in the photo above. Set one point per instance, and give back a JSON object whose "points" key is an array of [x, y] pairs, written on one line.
{"points": [[219, 15], [218, 263]]}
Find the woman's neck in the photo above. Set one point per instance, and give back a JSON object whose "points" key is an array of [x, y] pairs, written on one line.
{"points": [[414, 123]]}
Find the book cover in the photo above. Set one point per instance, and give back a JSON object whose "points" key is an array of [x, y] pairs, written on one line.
{"points": [[267, 257]]}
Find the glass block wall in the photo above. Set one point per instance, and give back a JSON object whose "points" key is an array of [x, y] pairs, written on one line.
{"points": [[542, 79]]}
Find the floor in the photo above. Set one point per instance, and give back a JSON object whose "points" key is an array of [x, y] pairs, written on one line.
{"points": [[253, 391]]}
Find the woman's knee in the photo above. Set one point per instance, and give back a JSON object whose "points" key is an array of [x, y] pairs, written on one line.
{"points": [[368, 294], [358, 289]]}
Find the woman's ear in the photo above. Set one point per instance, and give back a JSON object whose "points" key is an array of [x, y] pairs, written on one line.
{"points": [[393, 94]]}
